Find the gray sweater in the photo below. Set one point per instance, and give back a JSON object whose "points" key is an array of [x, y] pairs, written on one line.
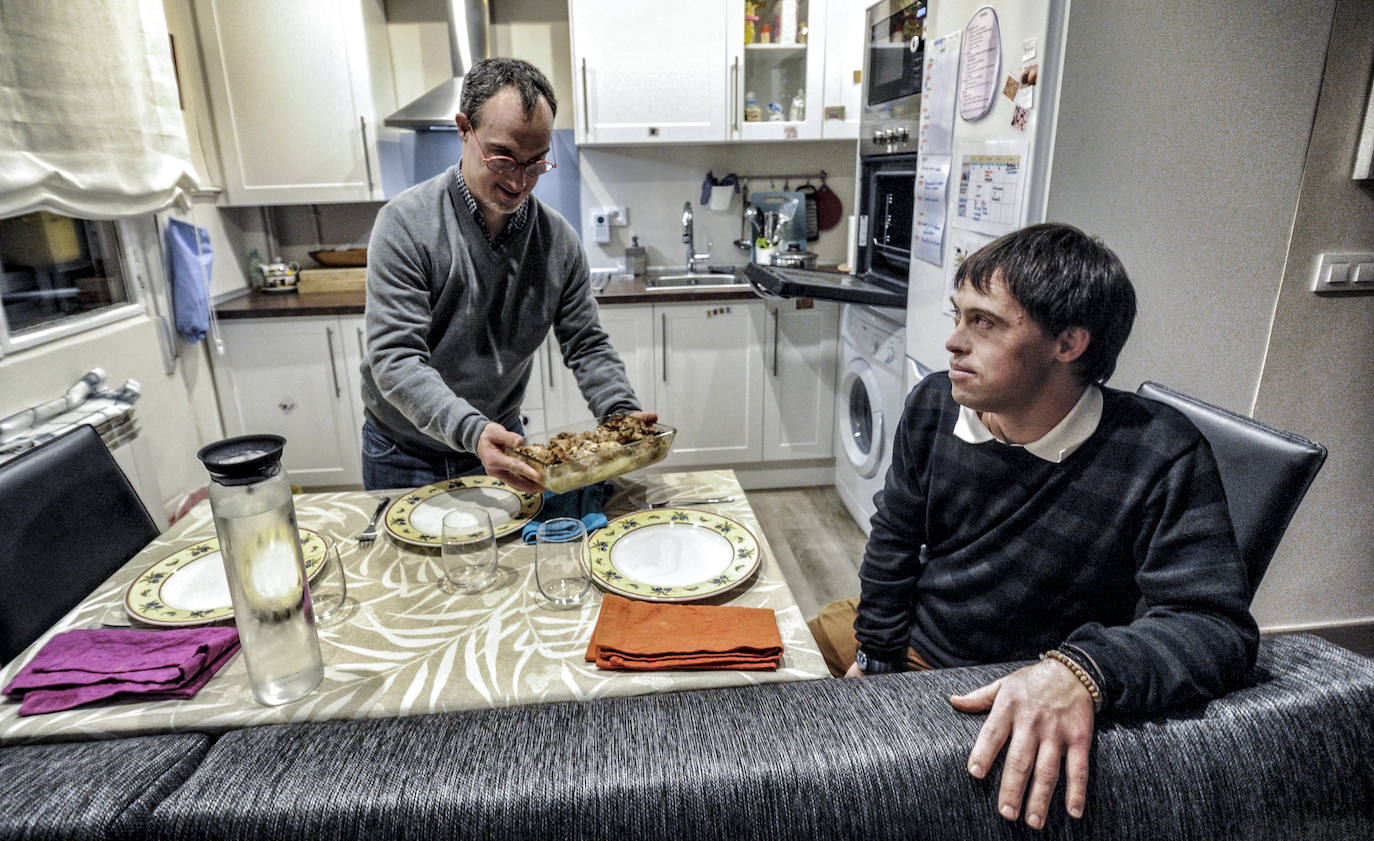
{"points": [[452, 325]]}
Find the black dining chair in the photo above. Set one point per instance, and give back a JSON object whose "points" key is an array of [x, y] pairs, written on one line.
{"points": [[68, 519], [1265, 471]]}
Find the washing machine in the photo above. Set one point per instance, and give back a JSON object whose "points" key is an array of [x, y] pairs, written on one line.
{"points": [[868, 403]]}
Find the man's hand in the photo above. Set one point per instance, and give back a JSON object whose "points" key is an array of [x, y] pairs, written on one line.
{"points": [[647, 417], [1048, 717], [855, 671], [491, 449]]}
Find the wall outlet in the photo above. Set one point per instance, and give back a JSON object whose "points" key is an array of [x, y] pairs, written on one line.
{"points": [[1344, 273], [615, 216]]}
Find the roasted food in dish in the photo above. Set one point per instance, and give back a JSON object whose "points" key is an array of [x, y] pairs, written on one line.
{"points": [[574, 457]]}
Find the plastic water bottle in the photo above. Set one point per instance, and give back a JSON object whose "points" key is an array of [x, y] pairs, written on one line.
{"points": [[255, 519]]}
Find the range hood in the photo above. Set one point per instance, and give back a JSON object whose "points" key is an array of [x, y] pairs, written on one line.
{"points": [[468, 37]]}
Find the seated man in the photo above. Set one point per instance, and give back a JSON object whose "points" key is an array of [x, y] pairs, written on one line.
{"points": [[1029, 510]]}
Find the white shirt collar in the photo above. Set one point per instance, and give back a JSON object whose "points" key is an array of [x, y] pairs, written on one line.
{"points": [[1054, 446]]}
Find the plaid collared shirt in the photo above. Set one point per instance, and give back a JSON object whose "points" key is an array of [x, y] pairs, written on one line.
{"points": [[513, 226]]}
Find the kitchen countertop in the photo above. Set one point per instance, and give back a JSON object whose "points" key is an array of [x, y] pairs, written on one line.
{"points": [[619, 290]]}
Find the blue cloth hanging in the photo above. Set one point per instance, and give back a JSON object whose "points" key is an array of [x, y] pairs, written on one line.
{"points": [[191, 258]]}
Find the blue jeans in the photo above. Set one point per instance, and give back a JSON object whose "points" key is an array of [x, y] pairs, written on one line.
{"points": [[386, 465]]}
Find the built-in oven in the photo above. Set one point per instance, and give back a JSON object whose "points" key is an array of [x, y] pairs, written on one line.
{"points": [[889, 132]]}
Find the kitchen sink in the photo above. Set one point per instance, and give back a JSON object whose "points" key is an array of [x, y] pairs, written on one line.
{"points": [[696, 279]]}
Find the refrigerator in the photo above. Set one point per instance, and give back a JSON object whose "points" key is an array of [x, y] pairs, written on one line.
{"points": [[989, 104]]}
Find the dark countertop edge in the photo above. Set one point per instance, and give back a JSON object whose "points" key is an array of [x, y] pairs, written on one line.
{"points": [[253, 304]]}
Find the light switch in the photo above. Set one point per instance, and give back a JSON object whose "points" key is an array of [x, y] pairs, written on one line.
{"points": [[1344, 273]]}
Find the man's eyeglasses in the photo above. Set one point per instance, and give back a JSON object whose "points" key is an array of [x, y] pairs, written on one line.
{"points": [[504, 164]]}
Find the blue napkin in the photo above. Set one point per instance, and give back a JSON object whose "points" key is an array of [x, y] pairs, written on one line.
{"points": [[582, 504]]}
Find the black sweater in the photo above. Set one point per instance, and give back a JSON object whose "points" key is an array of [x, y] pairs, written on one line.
{"points": [[985, 553]]}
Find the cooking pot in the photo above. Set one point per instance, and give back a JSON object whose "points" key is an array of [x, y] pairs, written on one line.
{"points": [[795, 259]]}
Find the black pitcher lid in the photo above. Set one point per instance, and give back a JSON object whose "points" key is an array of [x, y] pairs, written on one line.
{"points": [[245, 458]]}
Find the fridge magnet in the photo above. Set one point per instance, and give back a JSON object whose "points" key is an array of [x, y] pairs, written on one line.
{"points": [[1019, 117], [1029, 74], [1010, 88]]}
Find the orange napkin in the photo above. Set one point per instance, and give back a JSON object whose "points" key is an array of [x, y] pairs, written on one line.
{"points": [[631, 634]]}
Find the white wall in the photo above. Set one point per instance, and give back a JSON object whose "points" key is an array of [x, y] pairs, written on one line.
{"points": [[1181, 136], [1318, 376], [1182, 141], [654, 182]]}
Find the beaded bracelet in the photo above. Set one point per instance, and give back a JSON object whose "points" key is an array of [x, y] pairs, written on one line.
{"points": [[1078, 672]]}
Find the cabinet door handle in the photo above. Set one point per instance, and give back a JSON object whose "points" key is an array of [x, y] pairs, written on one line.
{"points": [[333, 367], [586, 111], [286, 405], [548, 358], [362, 351], [775, 342], [367, 156], [734, 95], [663, 344]]}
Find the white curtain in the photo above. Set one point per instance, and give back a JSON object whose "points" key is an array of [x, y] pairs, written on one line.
{"points": [[90, 124]]}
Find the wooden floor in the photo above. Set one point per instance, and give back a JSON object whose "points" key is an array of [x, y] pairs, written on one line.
{"points": [[817, 544]]}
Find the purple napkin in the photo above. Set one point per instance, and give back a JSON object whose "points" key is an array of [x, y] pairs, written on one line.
{"points": [[87, 665]]}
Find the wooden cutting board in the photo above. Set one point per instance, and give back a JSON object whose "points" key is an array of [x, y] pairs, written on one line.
{"points": [[331, 280]]}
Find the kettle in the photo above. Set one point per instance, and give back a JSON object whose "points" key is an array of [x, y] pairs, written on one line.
{"points": [[278, 276]]}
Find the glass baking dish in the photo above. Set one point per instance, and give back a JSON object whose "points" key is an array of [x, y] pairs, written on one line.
{"points": [[607, 463]]}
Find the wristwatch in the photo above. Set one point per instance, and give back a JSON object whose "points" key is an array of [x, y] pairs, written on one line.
{"points": [[873, 666]]}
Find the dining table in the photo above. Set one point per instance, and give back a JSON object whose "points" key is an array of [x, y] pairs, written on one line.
{"points": [[409, 643]]}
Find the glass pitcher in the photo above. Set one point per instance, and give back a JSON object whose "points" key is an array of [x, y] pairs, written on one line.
{"points": [[260, 546]]}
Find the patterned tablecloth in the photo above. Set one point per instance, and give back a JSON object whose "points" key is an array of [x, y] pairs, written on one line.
{"points": [[409, 645]]}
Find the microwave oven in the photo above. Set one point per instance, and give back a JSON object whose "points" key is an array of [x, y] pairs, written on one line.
{"points": [[894, 69]]}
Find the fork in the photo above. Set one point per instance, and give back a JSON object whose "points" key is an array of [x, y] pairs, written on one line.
{"points": [[370, 533]]}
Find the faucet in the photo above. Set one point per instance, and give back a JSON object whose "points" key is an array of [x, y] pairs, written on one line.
{"points": [[694, 260]]}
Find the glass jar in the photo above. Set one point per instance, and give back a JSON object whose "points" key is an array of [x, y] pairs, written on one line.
{"points": [[260, 546]]}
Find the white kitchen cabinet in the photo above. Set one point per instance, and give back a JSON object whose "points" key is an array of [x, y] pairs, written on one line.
{"points": [[631, 331], [779, 70], [799, 383], [708, 366], [845, 42], [353, 338], [296, 88], [532, 404], [649, 71], [291, 377], [660, 71]]}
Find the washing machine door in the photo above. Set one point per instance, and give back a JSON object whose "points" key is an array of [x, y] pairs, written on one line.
{"points": [[861, 424]]}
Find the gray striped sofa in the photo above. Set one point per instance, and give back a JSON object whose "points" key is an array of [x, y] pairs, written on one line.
{"points": [[1288, 756]]}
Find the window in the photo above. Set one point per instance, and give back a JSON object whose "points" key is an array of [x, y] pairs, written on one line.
{"points": [[59, 275]]}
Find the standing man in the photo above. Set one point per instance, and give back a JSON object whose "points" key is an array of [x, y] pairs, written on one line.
{"points": [[466, 274], [1029, 510]]}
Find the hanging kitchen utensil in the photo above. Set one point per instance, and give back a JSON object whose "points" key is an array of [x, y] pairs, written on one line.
{"points": [[829, 208], [813, 231], [746, 237]]}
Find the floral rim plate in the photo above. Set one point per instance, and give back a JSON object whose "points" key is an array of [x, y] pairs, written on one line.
{"points": [[672, 554], [188, 587], [417, 517]]}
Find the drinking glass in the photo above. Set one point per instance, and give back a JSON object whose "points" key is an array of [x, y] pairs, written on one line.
{"points": [[560, 567], [468, 549], [329, 589]]}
